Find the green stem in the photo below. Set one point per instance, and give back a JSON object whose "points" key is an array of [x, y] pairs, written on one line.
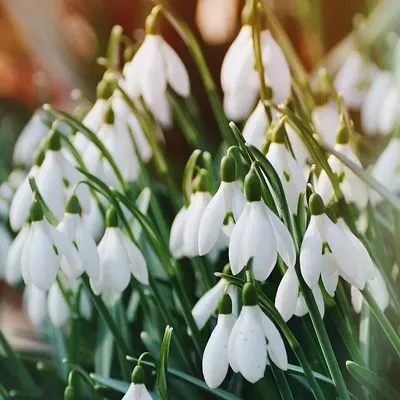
{"points": [[281, 382]]}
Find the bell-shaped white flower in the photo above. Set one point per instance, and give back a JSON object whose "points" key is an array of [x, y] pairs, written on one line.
{"points": [[71, 225], [228, 199], [56, 178], [354, 189], [373, 102], [137, 389], [287, 168], [388, 115], [326, 120], [208, 303], [353, 79], [19, 208], [378, 290], [5, 247], [176, 241], [248, 349], [29, 139], [43, 249], [259, 235], [215, 357], [119, 258], [35, 305], [154, 66], [326, 249], [290, 301], [387, 169], [16, 178], [12, 273]]}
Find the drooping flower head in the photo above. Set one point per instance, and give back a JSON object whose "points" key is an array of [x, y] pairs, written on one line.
{"points": [[137, 389]]}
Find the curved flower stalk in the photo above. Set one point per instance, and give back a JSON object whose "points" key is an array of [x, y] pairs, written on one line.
{"points": [[354, 78], [35, 303], [326, 120], [239, 78], [372, 105], [155, 66], [287, 168], [378, 290], [228, 200], [330, 250], [259, 235], [29, 139], [208, 303], [43, 251], [119, 259], [290, 301], [215, 357], [354, 189], [5, 247], [137, 389], [253, 338]]}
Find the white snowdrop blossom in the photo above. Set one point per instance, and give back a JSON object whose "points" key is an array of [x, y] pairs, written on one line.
{"points": [[208, 303], [239, 79], [353, 79], [326, 120], [248, 349], [290, 301], [259, 235], [329, 251], [288, 169], [228, 199], [137, 389], [377, 288], [354, 189], [176, 239], [119, 259], [215, 357], [155, 66], [43, 250], [35, 304]]}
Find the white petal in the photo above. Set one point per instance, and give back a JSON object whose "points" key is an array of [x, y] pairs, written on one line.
{"points": [[254, 131], [356, 299], [176, 242], [301, 306], [232, 345], [57, 306], [93, 220], [238, 104], [140, 139], [329, 274], [137, 392], [311, 260], [299, 149], [238, 200], [287, 293], [35, 304], [215, 357], [137, 263], [177, 74], [389, 112], [93, 121], [326, 120], [377, 287], [316, 291]]}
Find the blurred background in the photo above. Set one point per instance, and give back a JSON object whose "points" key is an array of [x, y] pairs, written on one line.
{"points": [[48, 48]]}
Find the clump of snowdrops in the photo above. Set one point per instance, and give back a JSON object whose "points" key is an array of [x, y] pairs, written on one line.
{"points": [[270, 272]]}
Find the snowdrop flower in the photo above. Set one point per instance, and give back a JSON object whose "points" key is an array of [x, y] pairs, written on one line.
{"points": [[43, 250], [259, 235], [12, 273], [326, 120], [176, 241], [248, 349], [137, 389], [56, 178], [354, 189], [29, 139], [35, 305], [215, 357], [373, 102], [119, 258], [94, 117], [16, 178], [228, 199], [73, 228], [353, 79], [19, 208], [5, 246], [290, 301], [388, 115], [378, 290], [328, 250], [286, 166], [154, 66], [208, 303], [58, 310]]}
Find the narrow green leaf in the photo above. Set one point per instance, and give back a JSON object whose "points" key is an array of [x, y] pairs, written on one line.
{"points": [[372, 381], [46, 210], [142, 203], [162, 364], [188, 176]]}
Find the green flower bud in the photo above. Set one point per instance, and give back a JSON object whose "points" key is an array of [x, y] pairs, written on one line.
{"points": [[138, 375], [225, 304], [227, 269], [200, 183], [228, 169], [38, 161], [252, 187], [54, 143], [72, 205], [108, 117], [153, 21], [316, 203], [104, 90], [342, 135], [249, 295], [280, 132], [111, 218], [129, 52], [35, 211]]}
